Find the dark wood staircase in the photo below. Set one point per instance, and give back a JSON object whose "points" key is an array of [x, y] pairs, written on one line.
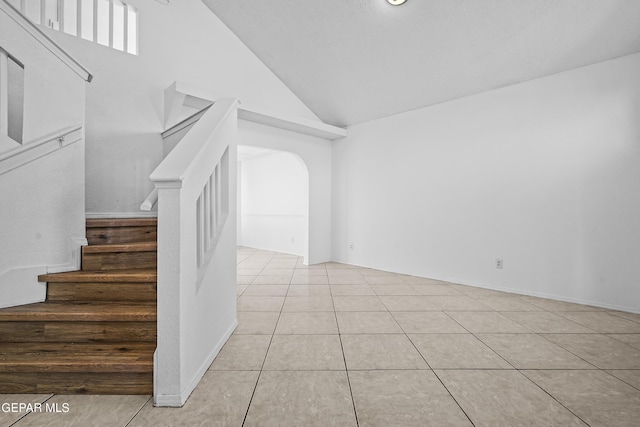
{"points": [[96, 331]]}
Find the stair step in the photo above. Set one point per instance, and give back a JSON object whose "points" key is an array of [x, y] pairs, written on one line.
{"points": [[65, 331], [121, 222], [125, 292], [87, 312], [126, 276], [76, 383], [76, 357], [119, 257], [121, 230]]}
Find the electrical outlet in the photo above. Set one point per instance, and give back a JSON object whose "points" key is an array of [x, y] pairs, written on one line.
{"points": [[499, 263], [350, 246]]}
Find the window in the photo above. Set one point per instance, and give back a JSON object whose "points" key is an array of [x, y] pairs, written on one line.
{"points": [[11, 96], [111, 23]]}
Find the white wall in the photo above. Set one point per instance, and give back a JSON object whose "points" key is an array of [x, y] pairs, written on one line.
{"points": [[42, 207], [316, 155], [181, 41], [274, 203], [542, 174]]}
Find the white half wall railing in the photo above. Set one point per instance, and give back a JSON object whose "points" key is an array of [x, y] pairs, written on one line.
{"points": [[195, 186]]}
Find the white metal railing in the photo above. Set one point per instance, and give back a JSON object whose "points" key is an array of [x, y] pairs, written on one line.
{"points": [[111, 23]]}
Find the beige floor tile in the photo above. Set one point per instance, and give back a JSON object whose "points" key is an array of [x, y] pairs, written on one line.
{"points": [[242, 353], [271, 280], [602, 322], [479, 293], [256, 323], [403, 398], [554, 305], [631, 377], [530, 351], [508, 304], [302, 398], [221, 399], [457, 303], [457, 351], [356, 322], [407, 303], [323, 323], [381, 351], [10, 414], [338, 290], [595, 396], [384, 280], [94, 410], [249, 272], [270, 271], [245, 280], [599, 350], [434, 322], [436, 290], [278, 262], [339, 266], [632, 339], [486, 322], [358, 303], [544, 322], [309, 280], [251, 303], [305, 353], [373, 272], [266, 290], [347, 280], [348, 272], [504, 398], [415, 280], [310, 269], [403, 289], [309, 291], [626, 315], [240, 289], [311, 303]]}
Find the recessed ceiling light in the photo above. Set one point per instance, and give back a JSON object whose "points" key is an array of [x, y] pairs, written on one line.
{"points": [[396, 2]]}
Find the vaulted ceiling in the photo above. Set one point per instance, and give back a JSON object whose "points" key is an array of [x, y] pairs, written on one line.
{"points": [[351, 61]]}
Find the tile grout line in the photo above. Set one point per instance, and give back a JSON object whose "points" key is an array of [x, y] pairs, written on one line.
{"points": [[244, 420], [139, 410]]}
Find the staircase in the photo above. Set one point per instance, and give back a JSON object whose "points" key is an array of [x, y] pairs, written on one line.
{"points": [[96, 331]]}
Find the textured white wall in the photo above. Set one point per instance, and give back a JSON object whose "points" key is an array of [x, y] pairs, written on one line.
{"points": [[542, 174], [275, 204], [181, 41], [316, 155], [42, 207]]}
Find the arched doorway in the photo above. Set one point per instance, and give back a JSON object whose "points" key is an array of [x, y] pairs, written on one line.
{"points": [[273, 201]]}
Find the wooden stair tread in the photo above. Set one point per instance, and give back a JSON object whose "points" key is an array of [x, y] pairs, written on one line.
{"points": [[121, 222], [122, 247], [129, 276], [66, 311]]}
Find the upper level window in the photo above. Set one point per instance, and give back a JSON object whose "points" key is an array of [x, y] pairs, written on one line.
{"points": [[111, 23]]}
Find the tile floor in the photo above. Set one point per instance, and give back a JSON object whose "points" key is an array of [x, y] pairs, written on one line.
{"points": [[337, 345]]}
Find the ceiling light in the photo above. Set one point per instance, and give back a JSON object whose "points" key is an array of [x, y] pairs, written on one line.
{"points": [[396, 2]]}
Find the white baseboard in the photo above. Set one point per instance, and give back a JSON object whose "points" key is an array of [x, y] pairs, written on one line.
{"points": [[75, 262], [20, 286], [136, 214], [178, 400]]}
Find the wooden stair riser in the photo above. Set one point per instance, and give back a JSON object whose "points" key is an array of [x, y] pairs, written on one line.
{"points": [[76, 383], [127, 230], [77, 332], [119, 261], [125, 292]]}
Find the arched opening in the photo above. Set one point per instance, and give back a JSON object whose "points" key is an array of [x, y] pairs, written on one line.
{"points": [[273, 201]]}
